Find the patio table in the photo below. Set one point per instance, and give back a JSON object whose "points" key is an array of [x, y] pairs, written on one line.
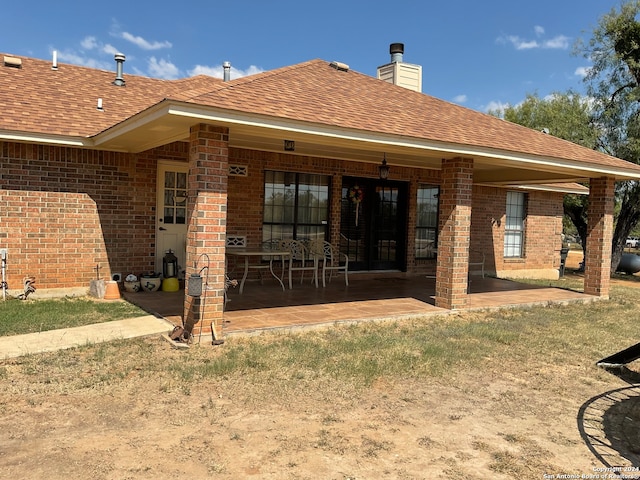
{"points": [[247, 254]]}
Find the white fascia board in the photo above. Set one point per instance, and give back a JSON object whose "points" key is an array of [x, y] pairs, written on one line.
{"points": [[28, 137], [377, 140], [381, 140]]}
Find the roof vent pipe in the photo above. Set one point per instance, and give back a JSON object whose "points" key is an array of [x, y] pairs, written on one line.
{"points": [[396, 50], [120, 58], [227, 71], [54, 64]]}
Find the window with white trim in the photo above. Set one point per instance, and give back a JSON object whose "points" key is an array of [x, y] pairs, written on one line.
{"points": [[514, 225]]}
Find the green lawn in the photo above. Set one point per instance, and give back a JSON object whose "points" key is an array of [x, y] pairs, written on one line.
{"points": [[29, 316]]}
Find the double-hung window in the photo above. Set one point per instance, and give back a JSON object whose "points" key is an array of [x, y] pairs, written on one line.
{"points": [[514, 225]]}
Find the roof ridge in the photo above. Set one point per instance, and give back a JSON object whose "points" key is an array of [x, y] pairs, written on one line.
{"points": [[274, 72], [248, 79]]}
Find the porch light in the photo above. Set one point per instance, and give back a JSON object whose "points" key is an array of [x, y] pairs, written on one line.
{"points": [[289, 145], [384, 169]]}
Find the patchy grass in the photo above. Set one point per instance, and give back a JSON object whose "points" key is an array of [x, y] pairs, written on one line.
{"points": [[362, 354], [18, 316], [491, 394]]}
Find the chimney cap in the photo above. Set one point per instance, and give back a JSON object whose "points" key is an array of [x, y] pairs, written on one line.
{"points": [[396, 48]]}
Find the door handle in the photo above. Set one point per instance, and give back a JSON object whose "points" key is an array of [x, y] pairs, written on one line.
{"points": [[162, 229]]}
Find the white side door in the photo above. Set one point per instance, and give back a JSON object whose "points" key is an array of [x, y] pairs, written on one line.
{"points": [[171, 213]]}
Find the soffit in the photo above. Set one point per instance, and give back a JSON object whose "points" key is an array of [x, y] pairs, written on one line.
{"points": [[170, 121]]}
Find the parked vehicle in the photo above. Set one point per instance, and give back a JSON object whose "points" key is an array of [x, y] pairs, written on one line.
{"points": [[632, 242], [571, 241]]}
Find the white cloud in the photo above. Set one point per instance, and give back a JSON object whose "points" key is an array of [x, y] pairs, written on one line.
{"points": [[110, 49], [524, 44], [92, 52], [582, 71], [517, 42], [496, 106], [217, 71], [161, 68], [559, 42], [92, 43], [460, 98], [144, 44], [88, 54], [89, 43], [69, 56]]}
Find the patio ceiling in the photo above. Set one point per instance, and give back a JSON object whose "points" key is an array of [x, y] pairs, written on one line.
{"points": [[170, 121]]}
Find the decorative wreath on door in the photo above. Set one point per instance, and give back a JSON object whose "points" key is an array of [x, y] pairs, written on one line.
{"points": [[356, 195]]}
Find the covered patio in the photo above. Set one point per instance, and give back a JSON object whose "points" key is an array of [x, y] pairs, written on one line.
{"points": [[369, 297], [399, 181]]}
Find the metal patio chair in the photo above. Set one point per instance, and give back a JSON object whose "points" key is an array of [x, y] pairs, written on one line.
{"points": [[332, 260], [300, 260]]}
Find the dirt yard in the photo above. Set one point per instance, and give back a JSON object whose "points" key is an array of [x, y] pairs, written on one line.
{"points": [[510, 422], [82, 415]]}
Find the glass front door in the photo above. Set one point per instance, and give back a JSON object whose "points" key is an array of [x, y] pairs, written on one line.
{"points": [[373, 223], [171, 208]]}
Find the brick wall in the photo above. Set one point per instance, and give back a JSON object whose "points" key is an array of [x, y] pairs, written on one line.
{"points": [[543, 229], [65, 211], [544, 215]]}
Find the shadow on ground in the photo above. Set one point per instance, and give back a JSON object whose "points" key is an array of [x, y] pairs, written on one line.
{"points": [[608, 423]]}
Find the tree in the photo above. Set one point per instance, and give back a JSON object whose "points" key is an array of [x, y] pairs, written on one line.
{"points": [[614, 84], [567, 116]]}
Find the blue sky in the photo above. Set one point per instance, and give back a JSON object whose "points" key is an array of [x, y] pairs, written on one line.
{"points": [[480, 54]]}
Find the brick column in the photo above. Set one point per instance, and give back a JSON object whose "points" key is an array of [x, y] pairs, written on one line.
{"points": [[597, 271], [207, 226], [455, 225]]}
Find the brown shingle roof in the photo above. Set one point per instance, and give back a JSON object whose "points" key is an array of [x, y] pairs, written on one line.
{"points": [[37, 99], [316, 92]]}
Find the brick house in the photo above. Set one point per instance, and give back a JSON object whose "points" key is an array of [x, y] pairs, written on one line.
{"points": [[103, 172]]}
